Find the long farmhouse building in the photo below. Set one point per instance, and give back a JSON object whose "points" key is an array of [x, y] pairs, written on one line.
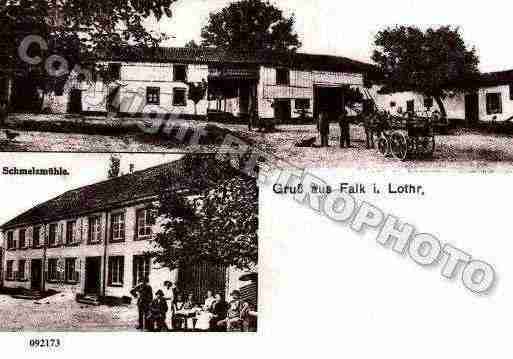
{"points": [[271, 85], [92, 240]]}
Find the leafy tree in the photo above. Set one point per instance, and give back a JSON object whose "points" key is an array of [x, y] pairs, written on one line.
{"points": [[250, 25], [219, 226], [429, 62], [77, 30], [197, 92]]}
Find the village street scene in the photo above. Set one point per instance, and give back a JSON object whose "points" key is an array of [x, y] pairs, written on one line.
{"points": [[419, 101]]}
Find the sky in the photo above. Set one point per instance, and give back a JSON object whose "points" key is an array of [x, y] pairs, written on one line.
{"points": [[20, 193], [348, 28]]}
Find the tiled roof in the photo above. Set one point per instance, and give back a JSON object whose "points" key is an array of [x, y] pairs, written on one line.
{"points": [[216, 56], [190, 174]]}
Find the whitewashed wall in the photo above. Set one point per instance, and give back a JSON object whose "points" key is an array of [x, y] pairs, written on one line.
{"points": [[454, 106], [301, 87], [137, 77], [507, 104]]}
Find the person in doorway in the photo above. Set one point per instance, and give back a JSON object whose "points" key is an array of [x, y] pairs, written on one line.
{"points": [[157, 313], [323, 126], [343, 122], [144, 294]]}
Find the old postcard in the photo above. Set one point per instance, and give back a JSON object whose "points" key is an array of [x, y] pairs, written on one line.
{"points": [[329, 177]]}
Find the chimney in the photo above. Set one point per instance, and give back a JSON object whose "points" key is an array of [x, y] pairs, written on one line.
{"points": [[132, 168]]}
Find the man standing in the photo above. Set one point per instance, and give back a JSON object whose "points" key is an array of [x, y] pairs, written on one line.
{"points": [[343, 122], [144, 294], [323, 126]]}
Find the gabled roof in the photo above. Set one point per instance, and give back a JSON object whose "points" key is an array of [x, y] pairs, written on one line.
{"points": [[207, 55], [188, 175]]}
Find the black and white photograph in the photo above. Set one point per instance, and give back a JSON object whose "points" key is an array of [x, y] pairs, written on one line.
{"points": [[181, 75], [255, 178], [128, 242]]}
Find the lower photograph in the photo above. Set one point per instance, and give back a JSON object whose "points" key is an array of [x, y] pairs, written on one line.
{"points": [[127, 242]]}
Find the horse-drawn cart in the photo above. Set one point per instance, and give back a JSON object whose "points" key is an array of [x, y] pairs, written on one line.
{"points": [[402, 137]]}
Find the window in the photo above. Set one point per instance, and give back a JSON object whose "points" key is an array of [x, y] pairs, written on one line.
{"points": [[52, 273], [70, 232], [52, 235], [36, 237], [179, 98], [144, 222], [511, 92], [116, 271], [428, 102], [493, 103], [21, 269], [71, 273], [282, 77], [302, 104], [117, 227], [410, 106], [95, 229], [10, 240], [180, 73], [9, 274], [141, 268], [153, 95], [22, 238]]}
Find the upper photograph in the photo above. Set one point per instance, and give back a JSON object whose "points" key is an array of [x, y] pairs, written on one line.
{"points": [[306, 83]]}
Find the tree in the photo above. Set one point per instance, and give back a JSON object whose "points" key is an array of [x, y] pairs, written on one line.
{"points": [[197, 92], [219, 226], [114, 167], [429, 62], [76, 31], [250, 25]]}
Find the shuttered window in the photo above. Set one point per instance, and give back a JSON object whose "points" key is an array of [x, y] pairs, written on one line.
{"points": [[71, 273], [116, 270], [36, 239], [141, 267], [21, 269], [144, 222], [53, 275], [52, 235], [22, 238], [70, 232], [117, 227], [95, 229], [493, 103], [9, 274], [10, 240]]}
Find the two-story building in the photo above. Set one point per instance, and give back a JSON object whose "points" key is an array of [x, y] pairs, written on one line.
{"points": [[268, 84], [93, 240]]}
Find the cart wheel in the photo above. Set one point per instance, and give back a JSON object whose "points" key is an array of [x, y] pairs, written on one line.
{"points": [[383, 146], [399, 145]]}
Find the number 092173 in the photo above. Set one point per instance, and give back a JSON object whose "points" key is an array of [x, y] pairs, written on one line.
{"points": [[45, 343]]}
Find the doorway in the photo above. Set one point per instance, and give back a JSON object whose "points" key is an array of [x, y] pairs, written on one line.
{"points": [[36, 274], [472, 108], [93, 277], [75, 101], [328, 99], [282, 110]]}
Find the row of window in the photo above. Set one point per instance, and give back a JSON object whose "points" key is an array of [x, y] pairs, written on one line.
{"points": [[114, 70], [179, 96], [70, 273], [143, 229]]}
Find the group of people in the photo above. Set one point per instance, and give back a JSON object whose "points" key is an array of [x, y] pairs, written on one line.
{"points": [[170, 309], [323, 126]]}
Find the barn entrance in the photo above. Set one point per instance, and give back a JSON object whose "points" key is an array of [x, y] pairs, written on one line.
{"points": [[328, 99], [199, 278]]}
